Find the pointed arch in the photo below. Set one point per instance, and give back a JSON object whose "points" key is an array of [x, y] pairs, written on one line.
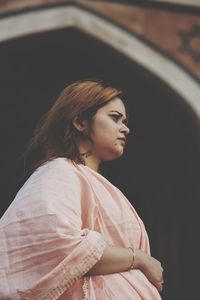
{"points": [[47, 19]]}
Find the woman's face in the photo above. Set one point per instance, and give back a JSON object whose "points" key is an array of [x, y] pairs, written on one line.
{"points": [[109, 130]]}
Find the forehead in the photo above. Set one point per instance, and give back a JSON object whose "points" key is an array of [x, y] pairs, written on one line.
{"points": [[115, 104]]}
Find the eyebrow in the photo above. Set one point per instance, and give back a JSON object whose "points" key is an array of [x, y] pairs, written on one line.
{"points": [[121, 115]]}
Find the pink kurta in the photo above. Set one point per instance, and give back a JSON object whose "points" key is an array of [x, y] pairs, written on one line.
{"points": [[57, 228]]}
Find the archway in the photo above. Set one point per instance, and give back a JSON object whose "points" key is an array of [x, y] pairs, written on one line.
{"points": [[87, 21]]}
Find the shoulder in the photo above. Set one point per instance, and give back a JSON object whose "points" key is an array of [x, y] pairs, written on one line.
{"points": [[54, 179], [60, 164], [53, 187], [59, 169]]}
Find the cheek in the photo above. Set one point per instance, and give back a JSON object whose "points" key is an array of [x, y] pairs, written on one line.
{"points": [[104, 131]]}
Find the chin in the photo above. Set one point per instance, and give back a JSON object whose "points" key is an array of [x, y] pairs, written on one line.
{"points": [[119, 152], [113, 156]]}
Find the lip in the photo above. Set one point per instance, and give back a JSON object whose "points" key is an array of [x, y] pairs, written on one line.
{"points": [[122, 140]]}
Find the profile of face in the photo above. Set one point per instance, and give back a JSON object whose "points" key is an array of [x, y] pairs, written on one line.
{"points": [[108, 131]]}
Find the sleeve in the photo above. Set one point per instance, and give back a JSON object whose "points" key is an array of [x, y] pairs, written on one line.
{"points": [[50, 249]]}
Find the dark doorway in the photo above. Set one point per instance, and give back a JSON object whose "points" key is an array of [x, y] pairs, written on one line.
{"points": [[160, 169]]}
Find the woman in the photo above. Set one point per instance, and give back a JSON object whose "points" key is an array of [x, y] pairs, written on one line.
{"points": [[69, 233]]}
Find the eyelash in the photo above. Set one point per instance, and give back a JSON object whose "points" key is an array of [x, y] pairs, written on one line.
{"points": [[116, 119]]}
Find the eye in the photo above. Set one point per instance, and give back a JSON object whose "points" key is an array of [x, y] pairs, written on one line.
{"points": [[115, 117]]}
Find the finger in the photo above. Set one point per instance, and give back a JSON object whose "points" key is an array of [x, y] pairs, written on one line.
{"points": [[160, 287]]}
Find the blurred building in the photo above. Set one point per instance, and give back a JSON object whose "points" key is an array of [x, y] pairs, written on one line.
{"points": [[151, 50]]}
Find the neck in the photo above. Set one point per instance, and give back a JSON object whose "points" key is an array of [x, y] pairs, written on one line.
{"points": [[88, 157], [91, 162]]}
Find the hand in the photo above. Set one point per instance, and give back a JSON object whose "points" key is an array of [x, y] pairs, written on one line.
{"points": [[151, 268]]}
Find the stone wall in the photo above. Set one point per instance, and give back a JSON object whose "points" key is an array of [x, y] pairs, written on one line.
{"points": [[176, 34]]}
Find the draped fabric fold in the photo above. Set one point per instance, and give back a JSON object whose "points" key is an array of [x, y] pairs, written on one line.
{"points": [[74, 266], [56, 230], [43, 245]]}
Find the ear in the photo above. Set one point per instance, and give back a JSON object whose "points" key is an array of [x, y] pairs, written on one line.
{"points": [[80, 125]]}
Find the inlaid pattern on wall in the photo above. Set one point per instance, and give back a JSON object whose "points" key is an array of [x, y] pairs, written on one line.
{"points": [[190, 42]]}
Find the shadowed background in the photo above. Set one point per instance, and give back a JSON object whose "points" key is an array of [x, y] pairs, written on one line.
{"points": [[159, 172]]}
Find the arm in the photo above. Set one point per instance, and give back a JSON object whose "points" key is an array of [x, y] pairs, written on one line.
{"points": [[116, 260]]}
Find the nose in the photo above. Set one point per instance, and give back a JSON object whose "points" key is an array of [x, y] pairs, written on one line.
{"points": [[125, 129]]}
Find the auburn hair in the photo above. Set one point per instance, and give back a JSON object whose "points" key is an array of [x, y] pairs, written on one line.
{"points": [[56, 136]]}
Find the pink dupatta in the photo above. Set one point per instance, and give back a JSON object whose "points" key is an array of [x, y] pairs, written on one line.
{"points": [[57, 228]]}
